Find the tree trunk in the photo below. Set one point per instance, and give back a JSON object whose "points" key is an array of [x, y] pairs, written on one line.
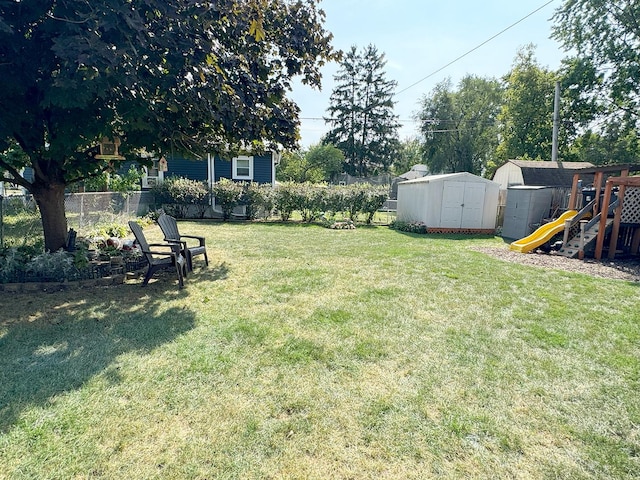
{"points": [[50, 200]]}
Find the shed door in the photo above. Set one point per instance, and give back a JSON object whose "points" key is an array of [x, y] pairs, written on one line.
{"points": [[473, 209], [462, 205], [452, 204]]}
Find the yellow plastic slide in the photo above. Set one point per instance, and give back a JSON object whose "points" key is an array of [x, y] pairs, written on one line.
{"points": [[542, 234]]}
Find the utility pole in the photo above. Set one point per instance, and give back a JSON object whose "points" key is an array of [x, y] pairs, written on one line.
{"points": [[556, 122]]}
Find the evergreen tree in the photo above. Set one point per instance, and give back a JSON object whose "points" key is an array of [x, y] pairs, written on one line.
{"points": [[361, 116]]}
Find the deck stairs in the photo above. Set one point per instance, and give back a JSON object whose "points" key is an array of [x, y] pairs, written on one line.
{"points": [[572, 248]]}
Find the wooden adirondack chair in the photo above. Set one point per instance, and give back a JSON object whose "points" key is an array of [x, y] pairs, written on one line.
{"points": [[169, 258], [169, 227]]}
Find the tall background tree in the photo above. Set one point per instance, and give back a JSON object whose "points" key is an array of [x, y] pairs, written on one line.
{"points": [[321, 163], [409, 154], [361, 116], [605, 36], [160, 74], [526, 118], [459, 126]]}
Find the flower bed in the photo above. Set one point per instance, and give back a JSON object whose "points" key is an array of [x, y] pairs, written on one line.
{"points": [[64, 268]]}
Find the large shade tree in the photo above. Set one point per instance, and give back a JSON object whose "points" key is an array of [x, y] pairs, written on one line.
{"points": [[159, 74], [606, 34], [321, 163], [459, 126], [526, 118], [604, 37]]}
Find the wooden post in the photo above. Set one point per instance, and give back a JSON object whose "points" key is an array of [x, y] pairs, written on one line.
{"points": [[565, 237], [574, 192], [603, 220], [615, 231], [597, 183], [583, 224]]}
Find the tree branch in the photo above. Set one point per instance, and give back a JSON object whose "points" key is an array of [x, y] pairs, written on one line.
{"points": [[17, 178], [66, 20]]}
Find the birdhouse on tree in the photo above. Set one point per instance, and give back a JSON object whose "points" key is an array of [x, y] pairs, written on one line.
{"points": [[109, 149]]}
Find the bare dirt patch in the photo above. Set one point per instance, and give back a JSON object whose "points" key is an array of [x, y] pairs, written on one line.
{"points": [[620, 269]]}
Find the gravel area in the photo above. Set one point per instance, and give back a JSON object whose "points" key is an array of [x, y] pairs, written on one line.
{"points": [[621, 269]]}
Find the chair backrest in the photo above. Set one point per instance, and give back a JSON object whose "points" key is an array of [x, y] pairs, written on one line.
{"points": [[169, 227], [140, 238]]}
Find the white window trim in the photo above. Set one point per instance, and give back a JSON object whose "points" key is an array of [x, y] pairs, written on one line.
{"points": [[234, 168], [155, 180]]}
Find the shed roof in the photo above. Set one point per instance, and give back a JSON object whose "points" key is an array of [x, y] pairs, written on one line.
{"points": [[550, 174], [446, 176]]}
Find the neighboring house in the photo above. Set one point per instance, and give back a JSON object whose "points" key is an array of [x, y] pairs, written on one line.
{"points": [[538, 173], [255, 168], [8, 188], [417, 171], [243, 168]]}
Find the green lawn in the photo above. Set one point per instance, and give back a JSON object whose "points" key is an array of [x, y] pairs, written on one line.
{"points": [[309, 353]]}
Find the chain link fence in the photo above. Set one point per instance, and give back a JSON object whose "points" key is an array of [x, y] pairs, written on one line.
{"points": [[20, 220], [86, 209]]}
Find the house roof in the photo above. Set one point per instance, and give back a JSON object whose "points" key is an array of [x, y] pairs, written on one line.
{"points": [[417, 171], [549, 174]]}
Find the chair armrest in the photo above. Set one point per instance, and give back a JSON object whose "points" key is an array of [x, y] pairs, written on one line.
{"points": [[170, 245], [176, 247], [195, 237], [173, 241], [161, 254]]}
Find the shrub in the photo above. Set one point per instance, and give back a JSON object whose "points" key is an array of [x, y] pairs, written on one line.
{"points": [[311, 200], [228, 195], [178, 194], [115, 182], [410, 227], [258, 199], [285, 200], [372, 201], [353, 199]]}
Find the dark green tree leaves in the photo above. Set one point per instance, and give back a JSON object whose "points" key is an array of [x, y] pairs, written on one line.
{"points": [[361, 116], [164, 75], [459, 126]]}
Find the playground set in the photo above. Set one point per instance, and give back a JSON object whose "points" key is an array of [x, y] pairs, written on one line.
{"points": [[609, 221]]}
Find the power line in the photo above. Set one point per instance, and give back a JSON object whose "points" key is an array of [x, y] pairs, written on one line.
{"points": [[474, 48]]}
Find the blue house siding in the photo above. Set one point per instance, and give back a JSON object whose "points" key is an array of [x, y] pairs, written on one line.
{"points": [[222, 169], [182, 167], [262, 169], [28, 174]]}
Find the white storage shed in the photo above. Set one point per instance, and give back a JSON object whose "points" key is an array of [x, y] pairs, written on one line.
{"points": [[454, 202]]}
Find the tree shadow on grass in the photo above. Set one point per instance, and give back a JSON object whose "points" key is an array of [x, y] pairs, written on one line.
{"points": [[54, 343]]}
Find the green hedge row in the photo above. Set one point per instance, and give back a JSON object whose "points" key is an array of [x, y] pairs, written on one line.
{"points": [[311, 200]]}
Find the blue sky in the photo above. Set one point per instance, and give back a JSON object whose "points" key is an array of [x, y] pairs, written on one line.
{"points": [[419, 37]]}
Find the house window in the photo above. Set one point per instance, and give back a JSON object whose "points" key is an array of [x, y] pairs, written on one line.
{"points": [[153, 175], [242, 168]]}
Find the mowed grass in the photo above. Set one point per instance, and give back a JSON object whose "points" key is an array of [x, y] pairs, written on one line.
{"points": [[309, 353]]}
